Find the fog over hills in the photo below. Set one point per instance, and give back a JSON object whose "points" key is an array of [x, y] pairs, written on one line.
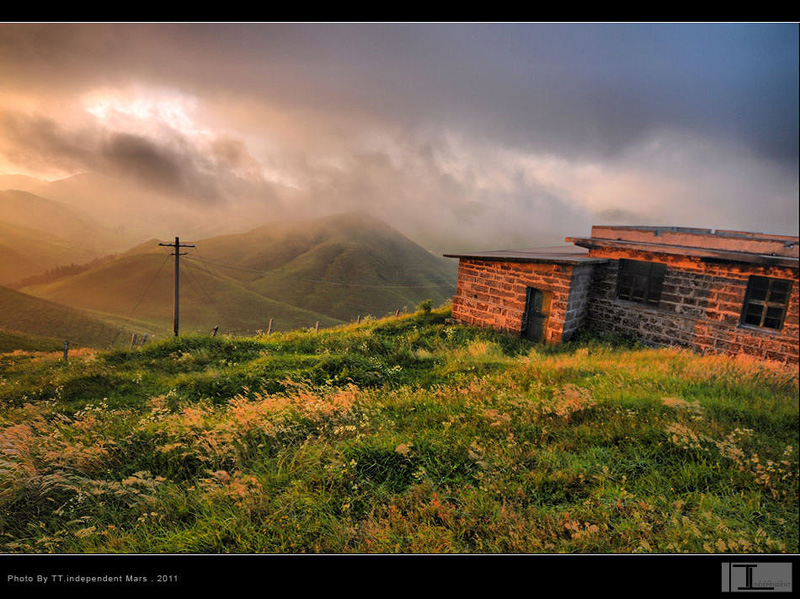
{"points": [[37, 234], [130, 212], [296, 272]]}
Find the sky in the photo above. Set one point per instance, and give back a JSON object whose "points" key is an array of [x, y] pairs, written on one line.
{"points": [[464, 136]]}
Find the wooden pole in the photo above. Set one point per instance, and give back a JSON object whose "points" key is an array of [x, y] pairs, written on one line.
{"points": [[214, 333], [176, 308], [66, 349], [316, 327], [269, 328], [175, 318], [133, 340]]}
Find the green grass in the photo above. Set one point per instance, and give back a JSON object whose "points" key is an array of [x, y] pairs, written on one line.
{"points": [[406, 434], [330, 270], [28, 322], [10, 342]]}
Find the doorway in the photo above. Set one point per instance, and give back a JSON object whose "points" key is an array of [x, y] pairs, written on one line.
{"points": [[537, 309]]}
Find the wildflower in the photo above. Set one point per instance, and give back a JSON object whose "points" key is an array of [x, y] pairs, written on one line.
{"points": [[404, 448]]}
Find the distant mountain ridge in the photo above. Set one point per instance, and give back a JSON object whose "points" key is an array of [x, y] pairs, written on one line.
{"points": [[134, 212], [38, 234], [327, 270], [91, 243]]}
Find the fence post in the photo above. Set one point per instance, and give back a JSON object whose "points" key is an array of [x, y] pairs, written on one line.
{"points": [[66, 349], [316, 327], [133, 340], [214, 332], [269, 328]]}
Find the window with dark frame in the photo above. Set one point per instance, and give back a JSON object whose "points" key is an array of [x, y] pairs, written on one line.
{"points": [[640, 282], [766, 302]]}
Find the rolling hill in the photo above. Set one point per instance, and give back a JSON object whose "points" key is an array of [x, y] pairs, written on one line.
{"points": [[38, 234], [28, 322], [141, 286], [342, 265], [326, 270]]}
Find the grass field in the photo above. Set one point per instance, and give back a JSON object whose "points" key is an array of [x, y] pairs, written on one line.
{"points": [[401, 435], [28, 322]]}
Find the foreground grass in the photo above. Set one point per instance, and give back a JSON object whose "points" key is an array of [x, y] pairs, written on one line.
{"points": [[400, 435]]}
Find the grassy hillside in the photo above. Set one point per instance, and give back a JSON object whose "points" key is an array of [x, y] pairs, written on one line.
{"points": [[329, 271], [43, 323], [36, 212], [141, 285], [10, 342], [37, 234], [405, 434], [343, 266]]}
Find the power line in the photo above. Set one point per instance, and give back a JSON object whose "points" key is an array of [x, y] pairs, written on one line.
{"points": [[200, 290], [194, 281], [141, 297], [149, 285], [323, 281]]}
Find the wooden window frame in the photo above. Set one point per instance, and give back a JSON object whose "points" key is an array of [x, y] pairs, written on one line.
{"points": [[640, 282], [762, 303]]}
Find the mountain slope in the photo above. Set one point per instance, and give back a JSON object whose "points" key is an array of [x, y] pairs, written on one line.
{"points": [[32, 316], [141, 286], [342, 265], [37, 234], [328, 270]]}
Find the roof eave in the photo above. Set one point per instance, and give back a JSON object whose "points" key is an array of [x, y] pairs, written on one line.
{"points": [[728, 256], [534, 259]]}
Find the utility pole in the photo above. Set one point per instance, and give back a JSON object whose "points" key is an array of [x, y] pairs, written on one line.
{"points": [[177, 245]]}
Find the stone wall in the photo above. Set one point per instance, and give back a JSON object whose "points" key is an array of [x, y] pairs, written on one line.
{"points": [[492, 293], [579, 298], [700, 307]]}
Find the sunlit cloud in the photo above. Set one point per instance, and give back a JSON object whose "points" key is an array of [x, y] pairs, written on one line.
{"points": [[118, 109], [462, 136]]}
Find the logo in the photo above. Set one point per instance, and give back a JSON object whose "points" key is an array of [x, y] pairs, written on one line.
{"points": [[757, 577]]}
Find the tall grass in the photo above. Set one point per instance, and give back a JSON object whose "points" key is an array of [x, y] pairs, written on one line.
{"points": [[406, 434]]}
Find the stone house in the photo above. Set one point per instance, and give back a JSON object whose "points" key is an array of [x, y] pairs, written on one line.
{"points": [[730, 292]]}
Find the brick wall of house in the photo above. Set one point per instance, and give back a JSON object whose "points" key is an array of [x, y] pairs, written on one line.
{"points": [[700, 306], [579, 299], [492, 293]]}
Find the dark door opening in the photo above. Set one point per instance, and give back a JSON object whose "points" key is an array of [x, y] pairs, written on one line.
{"points": [[537, 309]]}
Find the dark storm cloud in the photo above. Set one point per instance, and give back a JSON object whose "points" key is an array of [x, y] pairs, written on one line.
{"points": [[525, 129], [143, 160], [175, 168], [591, 89], [567, 88], [39, 142]]}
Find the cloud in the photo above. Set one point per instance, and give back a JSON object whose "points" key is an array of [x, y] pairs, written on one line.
{"points": [[467, 136], [40, 143], [135, 156]]}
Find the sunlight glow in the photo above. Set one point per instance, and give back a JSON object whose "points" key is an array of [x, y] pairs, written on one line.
{"points": [[142, 107]]}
